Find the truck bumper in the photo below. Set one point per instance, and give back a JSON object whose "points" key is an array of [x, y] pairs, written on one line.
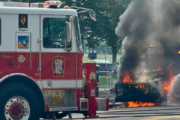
{"points": [[141, 98]]}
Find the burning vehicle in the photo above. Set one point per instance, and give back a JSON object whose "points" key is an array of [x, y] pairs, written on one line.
{"points": [[138, 91], [143, 71], [153, 85]]}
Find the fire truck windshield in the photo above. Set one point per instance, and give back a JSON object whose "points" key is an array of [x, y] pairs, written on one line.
{"points": [[78, 34]]}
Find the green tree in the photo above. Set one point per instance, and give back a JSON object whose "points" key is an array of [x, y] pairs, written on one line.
{"points": [[107, 13]]}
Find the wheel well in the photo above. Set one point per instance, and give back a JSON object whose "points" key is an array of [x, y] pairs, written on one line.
{"points": [[29, 82]]}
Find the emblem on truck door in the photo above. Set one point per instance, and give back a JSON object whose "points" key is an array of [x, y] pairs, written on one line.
{"points": [[58, 66], [23, 42], [23, 21], [21, 58]]}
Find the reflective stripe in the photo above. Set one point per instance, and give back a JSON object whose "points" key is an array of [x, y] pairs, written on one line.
{"points": [[61, 83]]}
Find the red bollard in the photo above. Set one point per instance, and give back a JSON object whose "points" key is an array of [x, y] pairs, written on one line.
{"points": [[90, 88]]}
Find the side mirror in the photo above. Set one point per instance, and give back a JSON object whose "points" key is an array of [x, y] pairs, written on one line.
{"points": [[68, 37], [68, 32]]}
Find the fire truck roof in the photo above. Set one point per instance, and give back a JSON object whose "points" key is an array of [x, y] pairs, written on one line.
{"points": [[27, 10]]}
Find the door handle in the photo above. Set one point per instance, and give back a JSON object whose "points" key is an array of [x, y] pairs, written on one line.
{"points": [[11, 63], [39, 41]]}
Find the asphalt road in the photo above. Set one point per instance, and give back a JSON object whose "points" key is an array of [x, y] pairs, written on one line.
{"points": [[171, 112]]}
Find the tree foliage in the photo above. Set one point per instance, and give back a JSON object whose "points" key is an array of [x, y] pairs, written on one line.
{"points": [[107, 13]]}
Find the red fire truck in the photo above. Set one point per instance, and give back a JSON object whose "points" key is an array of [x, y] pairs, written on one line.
{"points": [[41, 64]]}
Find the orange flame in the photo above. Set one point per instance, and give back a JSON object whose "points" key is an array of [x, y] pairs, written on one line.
{"points": [[179, 52], [139, 104], [167, 82], [158, 69], [126, 78], [150, 47], [140, 86], [165, 86], [120, 106]]}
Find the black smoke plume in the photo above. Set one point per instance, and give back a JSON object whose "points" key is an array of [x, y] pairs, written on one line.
{"points": [[154, 23]]}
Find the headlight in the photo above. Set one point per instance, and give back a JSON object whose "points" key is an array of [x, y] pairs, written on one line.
{"points": [[153, 90], [119, 91]]}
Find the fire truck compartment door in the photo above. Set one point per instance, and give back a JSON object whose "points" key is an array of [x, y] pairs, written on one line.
{"points": [[23, 50]]}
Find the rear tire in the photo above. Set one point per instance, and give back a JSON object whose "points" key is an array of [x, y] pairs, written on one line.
{"points": [[18, 101]]}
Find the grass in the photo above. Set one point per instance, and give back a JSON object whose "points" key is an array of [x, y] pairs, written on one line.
{"points": [[102, 57], [102, 79]]}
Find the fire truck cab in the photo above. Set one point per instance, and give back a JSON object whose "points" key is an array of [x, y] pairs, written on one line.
{"points": [[40, 62]]}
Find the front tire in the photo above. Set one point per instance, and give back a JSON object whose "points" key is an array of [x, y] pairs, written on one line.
{"points": [[61, 115], [18, 101]]}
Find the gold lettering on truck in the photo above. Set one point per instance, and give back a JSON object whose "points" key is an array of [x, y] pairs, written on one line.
{"points": [[5, 57]]}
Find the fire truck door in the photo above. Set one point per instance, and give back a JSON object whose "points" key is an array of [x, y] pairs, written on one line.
{"points": [[58, 67], [23, 50]]}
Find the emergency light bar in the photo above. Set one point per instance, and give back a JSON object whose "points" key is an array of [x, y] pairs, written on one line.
{"points": [[37, 5], [14, 4], [47, 4], [56, 4]]}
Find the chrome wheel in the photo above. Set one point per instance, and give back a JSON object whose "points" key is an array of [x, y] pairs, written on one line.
{"points": [[17, 108]]}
